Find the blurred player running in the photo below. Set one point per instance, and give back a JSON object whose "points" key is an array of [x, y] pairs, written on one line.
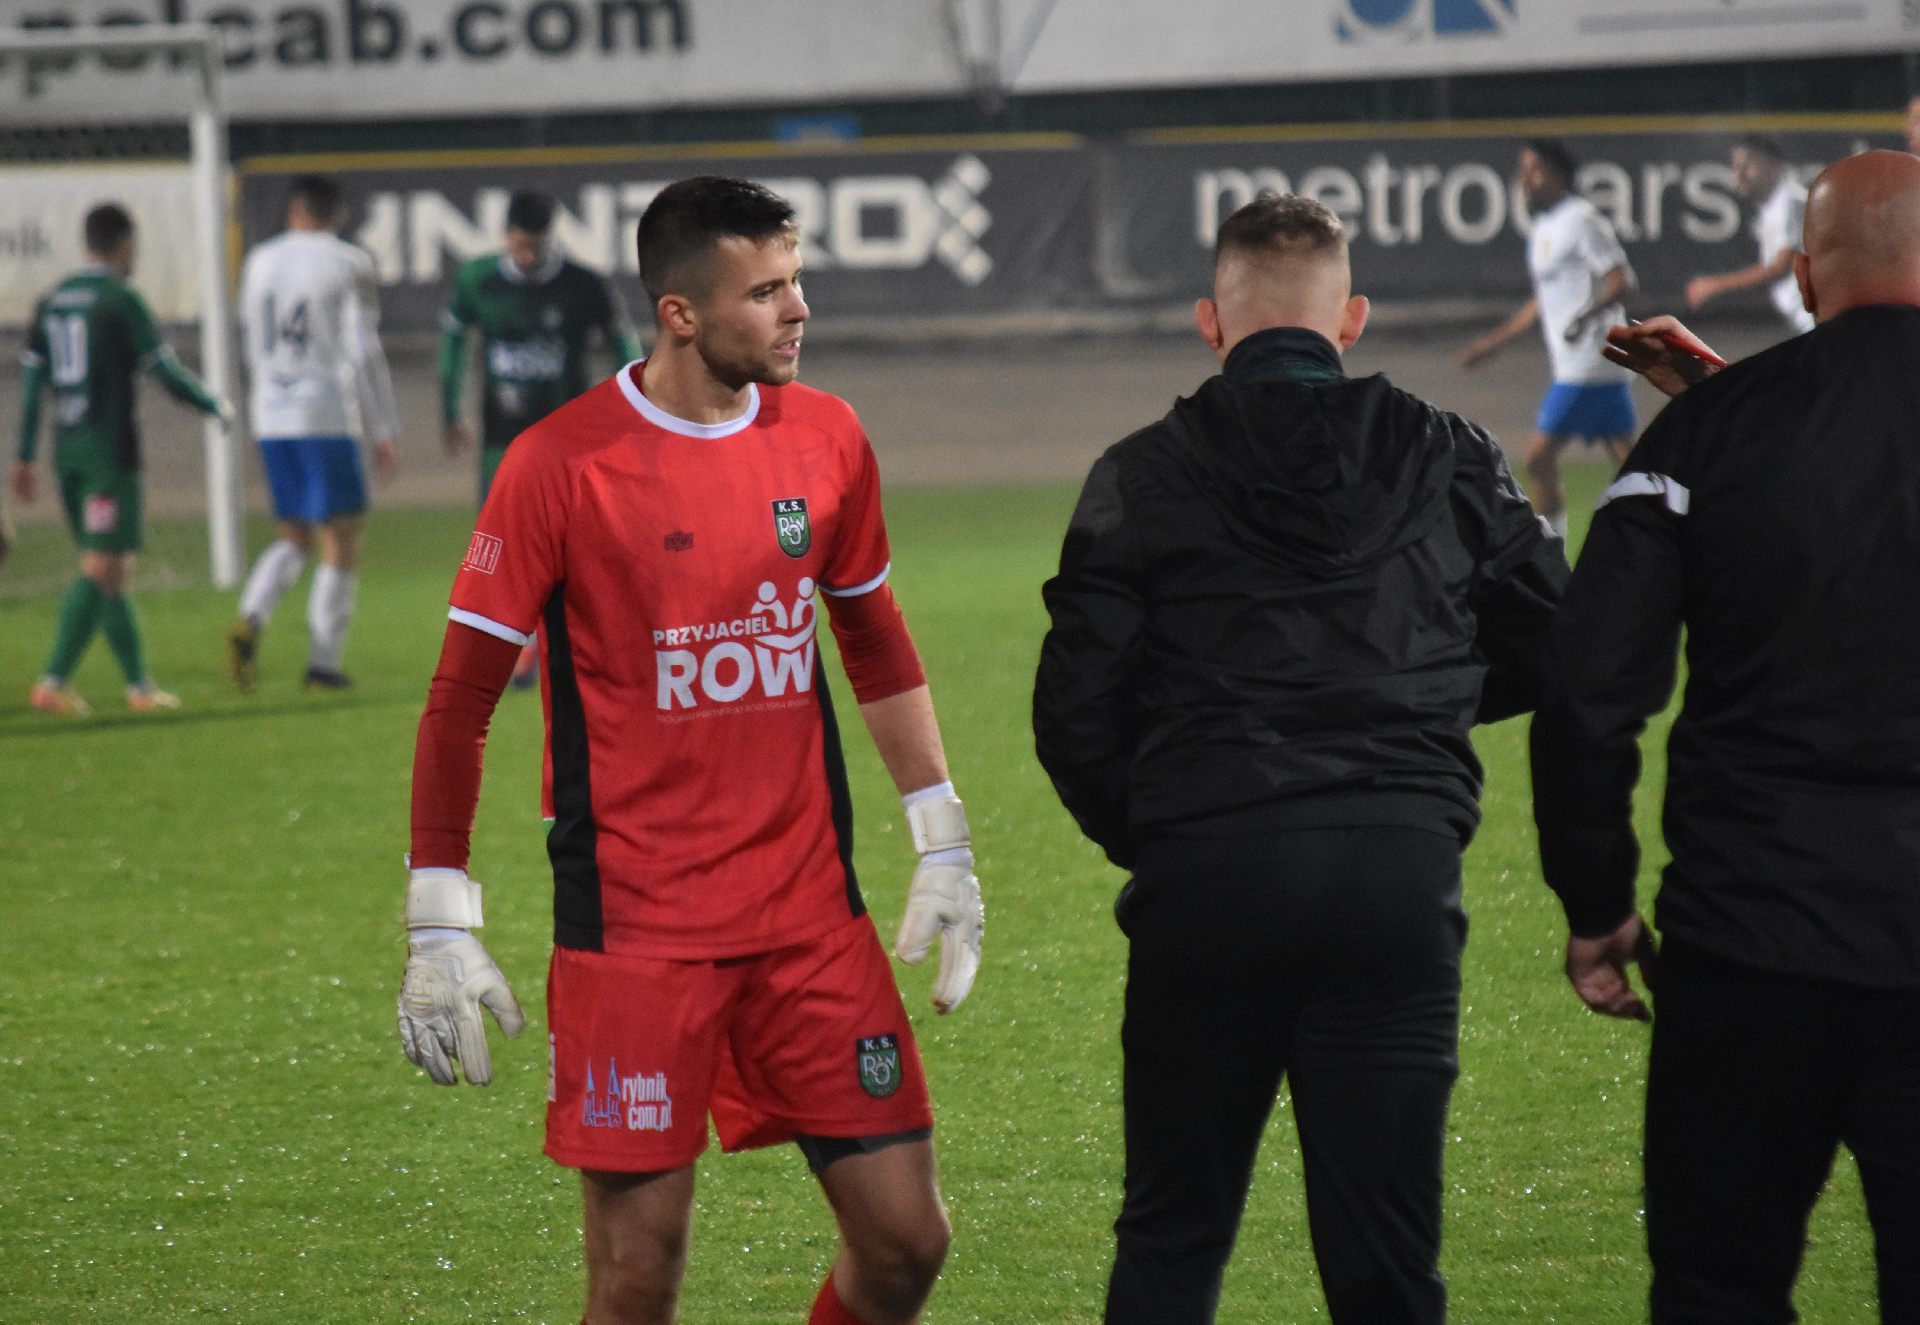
{"points": [[92, 337], [1579, 274], [310, 306], [1761, 178], [536, 313], [670, 533]]}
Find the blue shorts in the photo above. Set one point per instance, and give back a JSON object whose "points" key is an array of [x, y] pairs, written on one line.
{"points": [[1594, 412], [314, 478]]}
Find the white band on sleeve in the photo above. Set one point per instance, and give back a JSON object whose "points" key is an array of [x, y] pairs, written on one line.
{"points": [[488, 626], [855, 590], [443, 899], [937, 823], [1676, 495]]}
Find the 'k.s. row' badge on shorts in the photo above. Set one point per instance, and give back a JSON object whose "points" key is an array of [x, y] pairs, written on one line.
{"points": [[879, 1059], [791, 527]]}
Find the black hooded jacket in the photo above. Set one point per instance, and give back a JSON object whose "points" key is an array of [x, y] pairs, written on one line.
{"points": [[1285, 604]]}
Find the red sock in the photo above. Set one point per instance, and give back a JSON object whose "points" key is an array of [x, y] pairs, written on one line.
{"points": [[828, 1309]]}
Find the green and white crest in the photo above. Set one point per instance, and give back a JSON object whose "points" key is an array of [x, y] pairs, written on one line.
{"points": [[791, 526], [879, 1058]]}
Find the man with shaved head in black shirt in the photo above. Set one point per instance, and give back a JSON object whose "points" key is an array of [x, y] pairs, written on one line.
{"points": [[1773, 511]]}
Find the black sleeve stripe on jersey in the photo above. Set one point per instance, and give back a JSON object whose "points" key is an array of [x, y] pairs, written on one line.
{"points": [[573, 841], [836, 774]]}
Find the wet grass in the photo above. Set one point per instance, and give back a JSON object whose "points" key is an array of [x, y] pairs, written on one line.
{"points": [[204, 1112]]}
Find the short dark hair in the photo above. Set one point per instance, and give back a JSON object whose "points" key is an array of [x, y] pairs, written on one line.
{"points": [[685, 220], [1281, 222], [104, 228], [531, 211], [1763, 144], [318, 194], [1556, 156]]}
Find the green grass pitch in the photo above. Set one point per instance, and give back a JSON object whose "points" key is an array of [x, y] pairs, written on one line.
{"points": [[204, 1112]]}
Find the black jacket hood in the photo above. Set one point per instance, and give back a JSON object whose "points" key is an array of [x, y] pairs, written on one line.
{"points": [[1311, 468]]}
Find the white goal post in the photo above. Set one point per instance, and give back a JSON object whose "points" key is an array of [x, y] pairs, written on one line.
{"points": [[198, 47]]}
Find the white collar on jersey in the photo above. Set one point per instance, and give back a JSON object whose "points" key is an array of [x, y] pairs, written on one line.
{"points": [[659, 418], [546, 271]]}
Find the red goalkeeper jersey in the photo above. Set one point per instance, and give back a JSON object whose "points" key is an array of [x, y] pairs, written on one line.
{"points": [[671, 570]]}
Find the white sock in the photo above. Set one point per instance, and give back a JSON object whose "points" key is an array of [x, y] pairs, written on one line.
{"points": [[329, 613], [1558, 523], [274, 572]]}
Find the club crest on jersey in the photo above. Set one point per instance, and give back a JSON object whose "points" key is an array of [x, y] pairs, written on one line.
{"points": [[879, 1060], [791, 527]]}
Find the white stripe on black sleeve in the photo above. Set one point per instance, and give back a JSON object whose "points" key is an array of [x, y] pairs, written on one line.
{"points": [[1676, 495]]}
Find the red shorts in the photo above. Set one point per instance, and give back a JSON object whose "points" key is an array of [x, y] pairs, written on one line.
{"points": [[811, 1040]]}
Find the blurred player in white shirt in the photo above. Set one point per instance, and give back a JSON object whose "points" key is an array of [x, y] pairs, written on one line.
{"points": [[1761, 177], [320, 385], [1579, 273]]}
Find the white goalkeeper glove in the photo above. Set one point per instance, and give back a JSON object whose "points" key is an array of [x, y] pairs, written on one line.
{"points": [[944, 900], [449, 978]]}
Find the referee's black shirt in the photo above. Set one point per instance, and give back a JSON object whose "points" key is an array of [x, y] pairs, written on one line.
{"points": [[1774, 512]]}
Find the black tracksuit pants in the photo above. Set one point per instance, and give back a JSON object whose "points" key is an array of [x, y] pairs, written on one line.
{"points": [[1755, 1082], [1330, 957]]}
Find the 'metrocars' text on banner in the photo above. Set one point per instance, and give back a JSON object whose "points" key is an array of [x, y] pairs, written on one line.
{"points": [[1079, 226], [995, 228]]}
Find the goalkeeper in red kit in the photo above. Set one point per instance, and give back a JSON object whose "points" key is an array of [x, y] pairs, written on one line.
{"points": [[670, 536]]}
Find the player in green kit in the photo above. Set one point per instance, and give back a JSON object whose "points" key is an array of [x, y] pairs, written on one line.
{"points": [[90, 338], [536, 313]]}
